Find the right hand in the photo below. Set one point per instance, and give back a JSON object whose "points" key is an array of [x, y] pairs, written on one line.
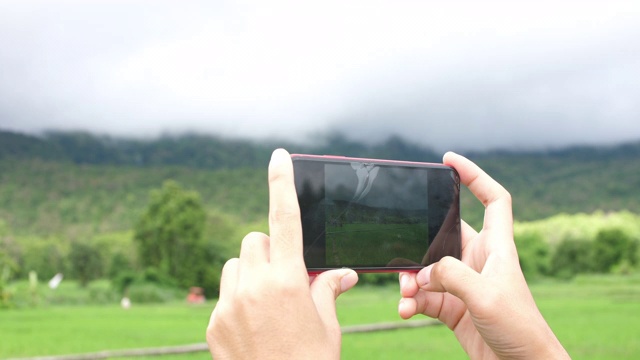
{"points": [[484, 298]]}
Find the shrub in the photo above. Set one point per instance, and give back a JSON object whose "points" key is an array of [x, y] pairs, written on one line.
{"points": [[534, 254], [570, 258], [611, 247], [377, 279], [123, 280], [46, 257], [120, 264], [86, 262], [144, 292], [624, 267], [154, 276], [211, 280]]}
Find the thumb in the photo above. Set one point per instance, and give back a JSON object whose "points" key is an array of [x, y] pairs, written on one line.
{"points": [[452, 276], [326, 288]]}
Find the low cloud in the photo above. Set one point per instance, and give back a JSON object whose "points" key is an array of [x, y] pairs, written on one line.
{"points": [[449, 75]]}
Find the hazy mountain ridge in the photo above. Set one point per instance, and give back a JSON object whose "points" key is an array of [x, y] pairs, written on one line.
{"points": [[190, 150], [78, 184], [213, 152]]}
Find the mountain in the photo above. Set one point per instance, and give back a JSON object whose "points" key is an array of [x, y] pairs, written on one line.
{"points": [[78, 184], [190, 150]]}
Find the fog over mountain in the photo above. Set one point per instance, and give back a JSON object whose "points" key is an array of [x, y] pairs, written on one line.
{"points": [[463, 74]]}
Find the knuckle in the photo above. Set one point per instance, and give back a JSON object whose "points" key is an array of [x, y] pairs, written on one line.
{"points": [[218, 323], [254, 239], [438, 272], [254, 236], [443, 267], [284, 213], [276, 173], [441, 271], [506, 196], [228, 265]]}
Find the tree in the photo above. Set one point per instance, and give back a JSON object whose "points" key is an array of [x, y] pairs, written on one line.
{"points": [[5, 275], [86, 262], [45, 256], [571, 257], [611, 247], [169, 234], [533, 253]]}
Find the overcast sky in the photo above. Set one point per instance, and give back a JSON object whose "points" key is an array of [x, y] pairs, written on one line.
{"points": [[446, 74]]}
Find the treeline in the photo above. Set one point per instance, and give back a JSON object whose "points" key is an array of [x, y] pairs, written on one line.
{"points": [[68, 197], [565, 246], [78, 184], [191, 150], [174, 244], [216, 152]]}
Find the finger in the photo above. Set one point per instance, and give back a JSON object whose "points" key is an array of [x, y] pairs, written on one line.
{"points": [[228, 281], [284, 213], [407, 307], [228, 278], [452, 276], [468, 233], [442, 306], [423, 302], [326, 288], [408, 285], [494, 197], [254, 252]]}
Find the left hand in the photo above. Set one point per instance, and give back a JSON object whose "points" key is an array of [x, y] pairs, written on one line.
{"points": [[269, 308]]}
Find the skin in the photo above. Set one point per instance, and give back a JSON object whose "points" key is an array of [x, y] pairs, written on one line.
{"points": [[269, 308], [484, 298]]}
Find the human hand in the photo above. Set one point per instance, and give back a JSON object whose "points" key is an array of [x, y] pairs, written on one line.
{"points": [[483, 298], [268, 307]]}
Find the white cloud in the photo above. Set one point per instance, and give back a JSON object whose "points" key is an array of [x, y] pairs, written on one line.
{"points": [[459, 73]]}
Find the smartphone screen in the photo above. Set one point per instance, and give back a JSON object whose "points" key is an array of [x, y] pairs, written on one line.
{"points": [[376, 215]]}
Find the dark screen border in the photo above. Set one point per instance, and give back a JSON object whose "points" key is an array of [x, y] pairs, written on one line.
{"points": [[443, 211]]}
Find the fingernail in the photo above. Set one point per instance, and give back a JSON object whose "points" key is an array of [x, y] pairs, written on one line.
{"points": [[277, 155], [424, 276], [403, 280], [400, 305], [348, 280], [448, 153]]}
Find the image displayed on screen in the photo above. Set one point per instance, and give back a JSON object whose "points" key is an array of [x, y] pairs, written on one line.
{"points": [[375, 213]]}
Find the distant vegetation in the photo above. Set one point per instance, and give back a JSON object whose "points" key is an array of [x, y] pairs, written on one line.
{"points": [[77, 183], [566, 245], [62, 191]]}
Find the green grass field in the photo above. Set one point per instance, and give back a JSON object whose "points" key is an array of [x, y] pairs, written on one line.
{"points": [[595, 317], [344, 243]]}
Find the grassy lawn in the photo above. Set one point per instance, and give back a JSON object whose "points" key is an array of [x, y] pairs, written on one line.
{"points": [[596, 317], [346, 242], [77, 329]]}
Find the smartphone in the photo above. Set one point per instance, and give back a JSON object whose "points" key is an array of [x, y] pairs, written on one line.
{"points": [[376, 215]]}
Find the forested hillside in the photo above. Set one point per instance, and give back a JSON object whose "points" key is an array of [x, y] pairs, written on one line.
{"points": [[193, 151], [83, 205], [78, 184]]}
